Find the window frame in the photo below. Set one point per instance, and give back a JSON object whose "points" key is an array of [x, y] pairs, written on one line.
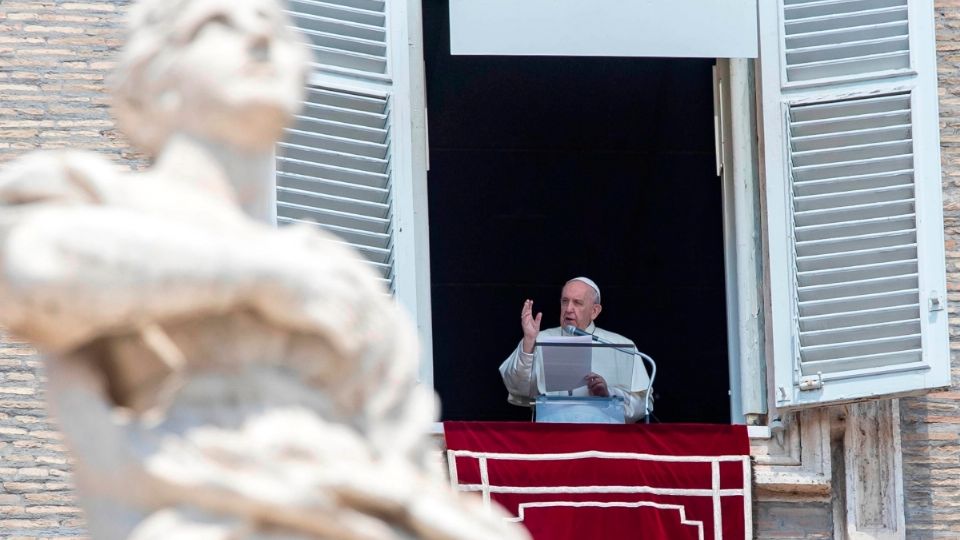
{"points": [[772, 339], [777, 96], [410, 144]]}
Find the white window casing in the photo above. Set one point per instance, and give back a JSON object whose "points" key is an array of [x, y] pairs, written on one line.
{"points": [[626, 28], [353, 162], [853, 197], [734, 99]]}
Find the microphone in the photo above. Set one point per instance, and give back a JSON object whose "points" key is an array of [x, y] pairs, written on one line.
{"points": [[571, 329]]}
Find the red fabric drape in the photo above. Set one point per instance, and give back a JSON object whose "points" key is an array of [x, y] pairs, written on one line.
{"points": [[666, 481]]}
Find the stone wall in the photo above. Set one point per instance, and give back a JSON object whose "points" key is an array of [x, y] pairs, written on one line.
{"points": [[793, 520], [35, 492], [54, 56]]}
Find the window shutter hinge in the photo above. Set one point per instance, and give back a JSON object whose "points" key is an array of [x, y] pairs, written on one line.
{"points": [[934, 302], [813, 382]]}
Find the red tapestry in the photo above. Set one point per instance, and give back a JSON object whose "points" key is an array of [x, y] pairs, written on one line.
{"points": [[669, 481]]}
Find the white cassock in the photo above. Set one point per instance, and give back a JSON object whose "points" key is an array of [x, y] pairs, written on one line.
{"points": [[523, 374]]}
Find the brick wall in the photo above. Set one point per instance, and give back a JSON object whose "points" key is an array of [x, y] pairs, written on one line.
{"points": [[54, 56], [931, 425], [35, 492]]}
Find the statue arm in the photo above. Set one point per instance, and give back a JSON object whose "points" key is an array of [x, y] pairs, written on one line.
{"points": [[69, 273]]}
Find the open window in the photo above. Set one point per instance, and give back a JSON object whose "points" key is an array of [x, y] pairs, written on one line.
{"points": [[845, 128]]}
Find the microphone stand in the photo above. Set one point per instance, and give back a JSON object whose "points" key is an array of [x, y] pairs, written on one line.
{"points": [[570, 329]]}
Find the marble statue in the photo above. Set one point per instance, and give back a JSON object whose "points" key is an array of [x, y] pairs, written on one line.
{"points": [[216, 377]]}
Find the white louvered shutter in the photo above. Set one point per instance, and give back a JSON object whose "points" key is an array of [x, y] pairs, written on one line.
{"points": [[333, 169], [346, 36], [855, 225], [338, 165]]}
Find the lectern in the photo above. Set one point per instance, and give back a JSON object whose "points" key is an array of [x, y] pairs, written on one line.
{"points": [[567, 360]]}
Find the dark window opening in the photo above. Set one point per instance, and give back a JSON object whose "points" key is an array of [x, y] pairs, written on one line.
{"points": [[545, 168]]}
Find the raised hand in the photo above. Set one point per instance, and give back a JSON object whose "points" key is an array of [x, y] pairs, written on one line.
{"points": [[530, 326]]}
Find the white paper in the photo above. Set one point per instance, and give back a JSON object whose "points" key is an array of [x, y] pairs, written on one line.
{"points": [[565, 366], [619, 367]]}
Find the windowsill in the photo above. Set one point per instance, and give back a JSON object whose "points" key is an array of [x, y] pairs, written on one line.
{"points": [[754, 432]]}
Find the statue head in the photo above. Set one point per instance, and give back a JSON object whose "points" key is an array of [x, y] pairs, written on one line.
{"points": [[230, 71]]}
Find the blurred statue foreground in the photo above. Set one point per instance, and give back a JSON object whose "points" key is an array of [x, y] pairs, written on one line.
{"points": [[215, 377]]}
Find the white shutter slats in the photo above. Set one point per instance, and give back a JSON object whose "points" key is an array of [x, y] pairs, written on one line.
{"points": [[849, 35], [333, 170], [337, 159], [852, 124], [353, 104], [859, 64], [854, 183], [856, 273], [869, 331], [837, 321], [343, 11], [868, 364], [853, 288], [821, 8], [844, 15], [835, 170], [843, 352], [856, 137], [345, 223], [855, 227], [344, 34], [855, 213], [305, 169], [841, 38], [359, 112], [864, 257], [349, 227], [342, 129], [332, 203], [840, 51], [350, 147], [847, 244], [359, 192], [851, 154], [852, 110], [838, 198], [859, 302]]}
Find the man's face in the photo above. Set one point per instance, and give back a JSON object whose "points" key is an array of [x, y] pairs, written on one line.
{"points": [[577, 305]]}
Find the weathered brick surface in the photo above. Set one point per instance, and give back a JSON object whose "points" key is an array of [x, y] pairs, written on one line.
{"points": [[54, 57], [36, 499]]}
